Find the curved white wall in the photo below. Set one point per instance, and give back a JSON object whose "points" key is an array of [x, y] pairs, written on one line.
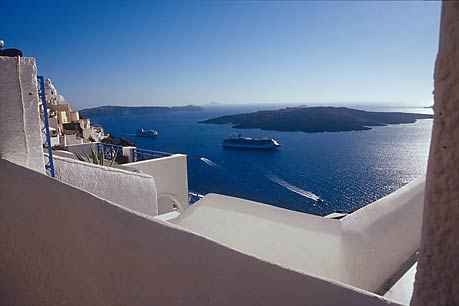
{"points": [[132, 190], [171, 179], [382, 238]]}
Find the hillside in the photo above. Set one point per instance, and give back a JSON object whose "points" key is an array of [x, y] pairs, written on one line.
{"points": [[134, 110], [316, 119]]}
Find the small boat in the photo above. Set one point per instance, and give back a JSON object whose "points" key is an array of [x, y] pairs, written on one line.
{"points": [[146, 133], [240, 142]]}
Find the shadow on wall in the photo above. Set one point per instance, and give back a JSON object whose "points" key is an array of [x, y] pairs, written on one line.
{"points": [[71, 241]]}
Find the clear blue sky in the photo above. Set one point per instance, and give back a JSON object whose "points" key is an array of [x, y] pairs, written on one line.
{"points": [[176, 53]]}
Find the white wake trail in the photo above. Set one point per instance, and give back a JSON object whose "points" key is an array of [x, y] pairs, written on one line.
{"points": [[295, 189], [208, 162]]}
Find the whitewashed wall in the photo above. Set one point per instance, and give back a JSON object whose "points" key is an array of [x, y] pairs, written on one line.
{"points": [[55, 141], [53, 123], [63, 153], [132, 190], [363, 249], [20, 135], [83, 148], [68, 247], [71, 140], [171, 177], [380, 239]]}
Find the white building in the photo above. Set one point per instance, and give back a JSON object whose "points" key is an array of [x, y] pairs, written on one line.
{"points": [[96, 133], [64, 114]]}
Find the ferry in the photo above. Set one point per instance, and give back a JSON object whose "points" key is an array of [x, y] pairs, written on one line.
{"points": [[146, 133], [240, 142]]}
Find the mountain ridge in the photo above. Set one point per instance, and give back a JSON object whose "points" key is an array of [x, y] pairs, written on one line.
{"points": [[316, 119], [109, 110]]}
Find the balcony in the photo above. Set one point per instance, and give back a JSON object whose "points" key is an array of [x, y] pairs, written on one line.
{"points": [[169, 171]]}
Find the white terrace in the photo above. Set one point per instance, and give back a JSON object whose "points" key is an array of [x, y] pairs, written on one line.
{"points": [[126, 235]]}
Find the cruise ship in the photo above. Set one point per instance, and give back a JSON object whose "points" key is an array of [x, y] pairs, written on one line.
{"points": [[251, 143], [146, 133]]}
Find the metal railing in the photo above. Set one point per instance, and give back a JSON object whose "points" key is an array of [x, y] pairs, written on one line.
{"points": [[49, 166], [142, 154], [109, 151]]}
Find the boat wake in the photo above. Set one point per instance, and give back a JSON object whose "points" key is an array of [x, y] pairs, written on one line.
{"points": [[209, 162], [295, 189]]}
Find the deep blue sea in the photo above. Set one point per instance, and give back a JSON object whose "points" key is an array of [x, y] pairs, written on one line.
{"points": [[315, 173]]}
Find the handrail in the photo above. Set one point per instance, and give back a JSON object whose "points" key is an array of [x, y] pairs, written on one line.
{"points": [[50, 164], [109, 151], [143, 154]]}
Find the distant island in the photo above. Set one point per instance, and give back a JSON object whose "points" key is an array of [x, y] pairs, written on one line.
{"points": [[316, 119], [135, 110]]}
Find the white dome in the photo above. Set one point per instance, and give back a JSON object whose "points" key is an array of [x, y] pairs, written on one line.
{"points": [[50, 90], [49, 85]]}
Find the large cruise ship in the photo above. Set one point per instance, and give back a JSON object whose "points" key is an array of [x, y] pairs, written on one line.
{"points": [[251, 143], [146, 133]]}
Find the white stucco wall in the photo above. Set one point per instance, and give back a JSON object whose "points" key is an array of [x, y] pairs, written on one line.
{"points": [[380, 239], [363, 249], [20, 135], [62, 117], [53, 123], [74, 116], [71, 140], [68, 247], [171, 179], [135, 191], [55, 141], [83, 148], [437, 277], [85, 123], [64, 153]]}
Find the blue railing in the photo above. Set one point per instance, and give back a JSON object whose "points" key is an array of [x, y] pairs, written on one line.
{"points": [[142, 154], [49, 166], [109, 151]]}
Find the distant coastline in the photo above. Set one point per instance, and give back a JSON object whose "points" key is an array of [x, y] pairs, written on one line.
{"points": [[135, 110], [316, 119]]}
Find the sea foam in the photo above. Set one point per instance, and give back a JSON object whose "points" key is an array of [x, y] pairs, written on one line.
{"points": [[208, 162], [295, 189]]}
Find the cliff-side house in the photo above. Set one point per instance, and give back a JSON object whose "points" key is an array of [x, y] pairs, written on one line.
{"points": [[66, 126]]}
